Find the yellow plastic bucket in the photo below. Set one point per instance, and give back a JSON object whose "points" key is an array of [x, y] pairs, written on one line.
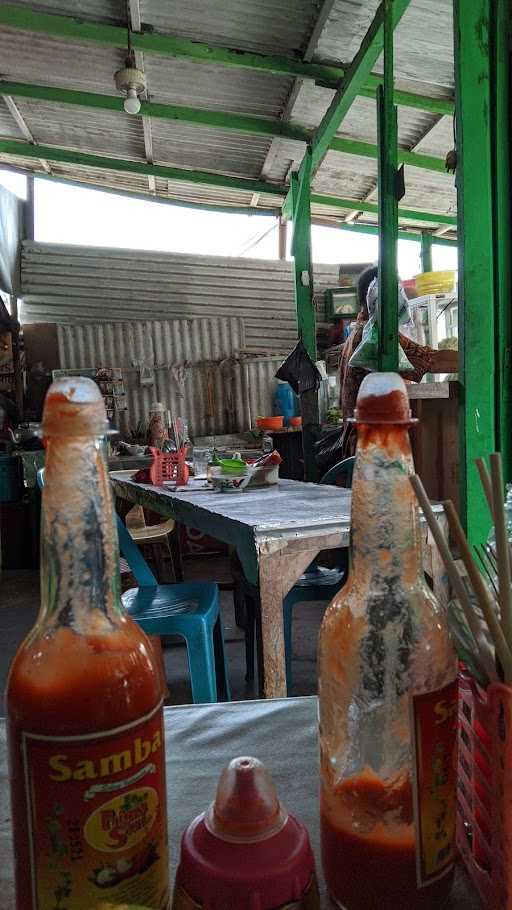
{"points": [[435, 283]]}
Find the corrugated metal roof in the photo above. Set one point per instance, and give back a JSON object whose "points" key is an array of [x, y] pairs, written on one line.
{"points": [[173, 81], [94, 130], [53, 61], [423, 41], [423, 62], [210, 149], [113, 11], [265, 26]]}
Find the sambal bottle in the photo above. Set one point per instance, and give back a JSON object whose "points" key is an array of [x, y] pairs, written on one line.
{"points": [[387, 688], [84, 696]]}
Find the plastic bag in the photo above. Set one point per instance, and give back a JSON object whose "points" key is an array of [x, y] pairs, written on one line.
{"points": [[299, 371], [366, 355]]}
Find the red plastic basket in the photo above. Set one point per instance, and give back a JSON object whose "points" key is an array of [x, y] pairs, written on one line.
{"points": [[168, 467], [484, 817]]}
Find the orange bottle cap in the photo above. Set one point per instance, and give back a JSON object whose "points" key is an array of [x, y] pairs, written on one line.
{"points": [[74, 407], [246, 808], [383, 398]]}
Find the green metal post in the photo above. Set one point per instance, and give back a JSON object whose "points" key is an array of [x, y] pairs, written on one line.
{"points": [[477, 426], [426, 251], [301, 252], [387, 133], [306, 322], [501, 98]]}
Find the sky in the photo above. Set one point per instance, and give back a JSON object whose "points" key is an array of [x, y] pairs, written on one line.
{"points": [[69, 214]]}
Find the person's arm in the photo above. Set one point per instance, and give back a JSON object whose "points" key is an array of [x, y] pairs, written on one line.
{"points": [[427, 360]]}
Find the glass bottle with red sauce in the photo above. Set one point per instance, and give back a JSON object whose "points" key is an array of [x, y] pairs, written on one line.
{"points": [[84, 696], [387, 688]]}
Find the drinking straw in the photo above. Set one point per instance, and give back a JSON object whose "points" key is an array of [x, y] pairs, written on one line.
{"points": [[455, 579], [502, 547], [481, 592], [486, 484]]}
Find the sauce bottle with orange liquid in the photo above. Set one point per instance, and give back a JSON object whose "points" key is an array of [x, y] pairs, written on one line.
{"points": [[387, 688], [84, 696]]}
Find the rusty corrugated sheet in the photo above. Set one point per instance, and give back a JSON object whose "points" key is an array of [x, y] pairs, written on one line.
{"points": [[211, 397]]}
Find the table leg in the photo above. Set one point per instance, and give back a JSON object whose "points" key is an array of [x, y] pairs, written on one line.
{"points": [[278, 572]]}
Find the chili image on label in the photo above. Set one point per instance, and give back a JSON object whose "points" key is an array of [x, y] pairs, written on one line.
{"points": [[434, 717], [97, 817]]}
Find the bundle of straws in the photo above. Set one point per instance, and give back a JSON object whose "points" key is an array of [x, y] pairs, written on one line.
{"points": [[484, 638]]}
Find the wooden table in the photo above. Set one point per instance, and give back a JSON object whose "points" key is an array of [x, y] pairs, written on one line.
{"points": [[276, 531], [200, 740]]}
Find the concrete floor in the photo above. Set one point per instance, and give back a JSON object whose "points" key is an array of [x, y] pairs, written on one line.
{"points": [[19, 603]]}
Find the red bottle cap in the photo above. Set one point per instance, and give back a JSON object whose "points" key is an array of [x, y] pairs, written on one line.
{"points": [[245, 851], [246, 808], [383, 398]]}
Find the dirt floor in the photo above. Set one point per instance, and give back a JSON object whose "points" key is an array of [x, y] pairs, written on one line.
{"points": [[19, 603]]}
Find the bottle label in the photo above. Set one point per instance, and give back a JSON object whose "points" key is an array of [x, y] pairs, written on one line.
{"points": [[434, 721], [310, 900], [97, 817]]}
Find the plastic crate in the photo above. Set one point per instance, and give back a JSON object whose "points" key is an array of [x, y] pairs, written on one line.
{"points": [[484, 810], [168, 467]]}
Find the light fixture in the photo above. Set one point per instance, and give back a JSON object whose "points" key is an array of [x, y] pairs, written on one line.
{"points": [[131, 82]]}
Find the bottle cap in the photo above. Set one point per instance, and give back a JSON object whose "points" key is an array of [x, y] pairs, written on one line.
{"points": [[246, 851], [246, 808], [382, 398], [74, 407]]}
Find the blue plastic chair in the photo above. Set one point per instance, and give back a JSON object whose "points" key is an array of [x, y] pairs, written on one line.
{"points": [[190, 610]]}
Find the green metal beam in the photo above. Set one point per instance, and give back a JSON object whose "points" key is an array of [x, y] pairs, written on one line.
{"points": [[477, 425], [501, 97], [151, 42], [217, 119], [26, 150], [443, 106], [356, 205], [301, 252], [368, 150], [402, 235], [149, 197], [426, 251], [353, 81], [67, 156], [387, 133]]}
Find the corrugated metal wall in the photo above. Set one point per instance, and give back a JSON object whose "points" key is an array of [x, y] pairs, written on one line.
{"points": [[70, 284], [213, 396]]}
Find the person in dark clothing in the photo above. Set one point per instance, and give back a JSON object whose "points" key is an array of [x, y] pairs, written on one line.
{"points": [[422, 358]]}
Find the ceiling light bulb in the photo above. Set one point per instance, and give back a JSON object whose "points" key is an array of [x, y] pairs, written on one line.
{"points": [[131, 103]]}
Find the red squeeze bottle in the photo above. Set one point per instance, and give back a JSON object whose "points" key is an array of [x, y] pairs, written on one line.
{"points": [[246, 851]]}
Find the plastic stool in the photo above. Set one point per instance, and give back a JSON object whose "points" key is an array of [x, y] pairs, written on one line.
{"points": [[190, 609], [317, 583]]}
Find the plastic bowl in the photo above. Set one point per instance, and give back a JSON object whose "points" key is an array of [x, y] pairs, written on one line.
{"points": [[223, 483], [269, 423]]}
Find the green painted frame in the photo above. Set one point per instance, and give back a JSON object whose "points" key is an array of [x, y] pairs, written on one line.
{"points": [[240, 123], [150, 42], [477, 369], [387, 132]]}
